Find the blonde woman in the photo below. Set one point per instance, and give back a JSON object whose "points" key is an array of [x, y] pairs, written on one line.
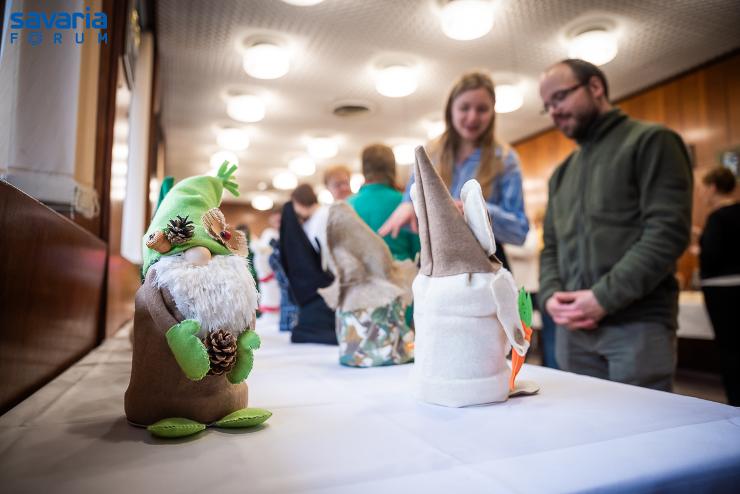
{"points": [[469, 149]]}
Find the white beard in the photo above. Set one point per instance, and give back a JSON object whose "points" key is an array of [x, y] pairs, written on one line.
{"points": [[219, 295]]}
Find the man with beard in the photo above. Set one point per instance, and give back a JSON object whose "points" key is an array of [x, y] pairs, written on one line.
{"points": [[618, 218], [193, 336]]}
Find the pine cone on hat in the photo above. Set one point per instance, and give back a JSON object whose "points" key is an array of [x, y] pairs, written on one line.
{"points": [[180, 230], [221, 346], [215, 224]]}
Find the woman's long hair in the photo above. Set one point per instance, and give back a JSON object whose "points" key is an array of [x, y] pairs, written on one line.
{"points": [[445, 147]]}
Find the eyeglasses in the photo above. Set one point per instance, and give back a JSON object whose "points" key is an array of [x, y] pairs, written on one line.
{"points": [[558, 97]]}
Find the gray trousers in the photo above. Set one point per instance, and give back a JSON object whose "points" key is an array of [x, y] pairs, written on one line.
{"points": [[639, 353]]}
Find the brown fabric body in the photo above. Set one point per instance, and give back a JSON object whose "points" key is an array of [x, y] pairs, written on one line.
{"points": [[158, 388], [448, 247], [366, 276]]}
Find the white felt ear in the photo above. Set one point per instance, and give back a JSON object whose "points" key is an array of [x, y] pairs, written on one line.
{"points": [[414, 193], [476, 215], [507, 310]]}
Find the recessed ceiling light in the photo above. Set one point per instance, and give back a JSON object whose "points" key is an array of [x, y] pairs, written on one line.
{"points": [[356, 181], [266, 61], [325, 197], [303, 3], [233, 139], [285, 181], [219, 157], [467, 19], [597, 46], [322, 147], [396, 81], [435, 128], [509, 98], [302, 165], [246, 108], [405, 153], [120, 151], [262, 202]]}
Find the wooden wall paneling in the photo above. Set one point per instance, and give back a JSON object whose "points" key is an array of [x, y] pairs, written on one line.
{"points": [[732, 98], [51, 289]]}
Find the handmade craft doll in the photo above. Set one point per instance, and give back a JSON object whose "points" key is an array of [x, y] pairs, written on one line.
{"points": [[370, 292], [193, 336], [465, 303]]}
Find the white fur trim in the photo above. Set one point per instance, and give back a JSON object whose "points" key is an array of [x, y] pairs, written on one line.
{"points": [[460, 348], [477, 217], [220, 295]]}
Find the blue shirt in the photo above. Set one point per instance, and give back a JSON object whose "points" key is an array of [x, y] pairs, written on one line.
{"points": [[506, 201]]}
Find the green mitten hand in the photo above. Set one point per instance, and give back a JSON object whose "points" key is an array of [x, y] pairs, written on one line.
{"points": [[189, 351], [247, 341]]}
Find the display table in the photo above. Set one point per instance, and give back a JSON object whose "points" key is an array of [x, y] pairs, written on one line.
{"points": [[344, 430], [693, 320]]}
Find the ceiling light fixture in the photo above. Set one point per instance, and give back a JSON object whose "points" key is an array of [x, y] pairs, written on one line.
{"points": [[302, 165], [232, 138], [356, 181], [405, 153], [465, 20], [325, 197], [285, 181], [262, 202], [322, 147], [509, 98], [245, 108], [303, 3], [396, 81], [596, 45], [219, 157], [265, 60], [435, 128]]}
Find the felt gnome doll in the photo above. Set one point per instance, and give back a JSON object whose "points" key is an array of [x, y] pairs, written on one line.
{"points": [[370, 292], [465, 303], [194, 319]]}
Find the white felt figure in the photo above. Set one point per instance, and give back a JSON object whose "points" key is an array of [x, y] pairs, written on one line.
{"points": [[465, 302]]}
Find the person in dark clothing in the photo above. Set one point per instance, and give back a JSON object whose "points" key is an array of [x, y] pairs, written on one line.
{"points": [[720, 273], [617, 220], [301, 260]]}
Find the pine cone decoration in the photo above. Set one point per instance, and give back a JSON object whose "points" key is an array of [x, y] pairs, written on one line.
{"points": [[221, 346], [180, 230]]}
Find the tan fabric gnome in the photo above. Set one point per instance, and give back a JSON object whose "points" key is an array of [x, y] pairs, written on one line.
{"points": [[193, 333], [465, 303], [370, 292]]}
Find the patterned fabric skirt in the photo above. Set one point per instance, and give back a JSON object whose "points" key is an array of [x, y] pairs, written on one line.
{"points": [[375, 337]]}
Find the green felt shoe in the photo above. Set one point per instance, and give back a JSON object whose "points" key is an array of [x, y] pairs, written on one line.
{"points": [[246, 417], [175, 427]]}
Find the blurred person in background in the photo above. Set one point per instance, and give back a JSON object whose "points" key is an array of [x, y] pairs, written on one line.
{"points": [[337, 181], [378, 198], [302, 224], [719, 261]]}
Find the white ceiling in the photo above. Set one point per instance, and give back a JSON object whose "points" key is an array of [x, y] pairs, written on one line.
{"points": [[337, 44]]}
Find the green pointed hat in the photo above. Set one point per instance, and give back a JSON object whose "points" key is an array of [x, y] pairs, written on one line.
{"points": [[177, 225]]}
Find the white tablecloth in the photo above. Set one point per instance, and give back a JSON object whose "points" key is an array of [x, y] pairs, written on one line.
{"points": [[693, 320], [340, 430]]}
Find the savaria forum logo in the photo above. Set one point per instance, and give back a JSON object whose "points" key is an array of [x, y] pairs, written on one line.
{"points": [[57, 27]]}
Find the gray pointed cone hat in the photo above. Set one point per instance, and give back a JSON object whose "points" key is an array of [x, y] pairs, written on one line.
{"points": [[448, 247]]}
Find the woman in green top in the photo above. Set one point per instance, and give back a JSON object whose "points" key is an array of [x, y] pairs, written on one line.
{"points": [[378, 198]]}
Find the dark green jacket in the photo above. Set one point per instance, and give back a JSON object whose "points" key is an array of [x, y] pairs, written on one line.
{"points": [[374, 203], [618, 218]]}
